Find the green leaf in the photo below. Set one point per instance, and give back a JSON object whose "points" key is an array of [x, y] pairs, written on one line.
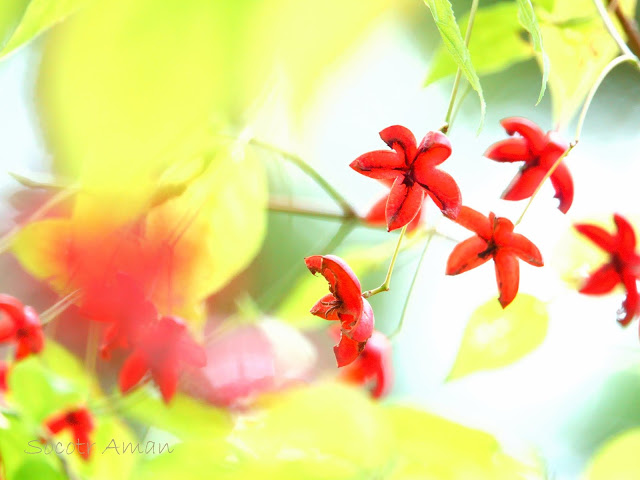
{"points": [[496, 338], [527, 18], [579, 48], [430, 446], [496, 43], [184, 417], [443, 15], [545, 4], [22, 20], [617, 458], [45, 384]]}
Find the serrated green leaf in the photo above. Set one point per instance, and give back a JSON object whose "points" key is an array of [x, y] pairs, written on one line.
{"points": [[445, 20], [22, 20], [617, 458], [496, 43], [496, 338], [528, 20]]}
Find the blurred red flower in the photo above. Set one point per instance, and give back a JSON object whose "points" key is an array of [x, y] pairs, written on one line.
{"points": [[79, 422], [20, 324]]}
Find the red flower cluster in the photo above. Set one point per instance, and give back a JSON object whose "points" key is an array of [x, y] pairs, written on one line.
{"points": [[413, 171], [345, 303], [538, 151], [79, 422], [20, 324], [494, 239], [622, 268]]}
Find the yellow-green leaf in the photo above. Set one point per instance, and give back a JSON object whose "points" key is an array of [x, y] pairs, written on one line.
{"points": [[432, 447], [617, 459], [578, 52], [496, 43], [22, 20], [496, 338], [528, 20], [445, 20]]}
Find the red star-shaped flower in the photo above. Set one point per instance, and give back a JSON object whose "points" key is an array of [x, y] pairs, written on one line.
{"points": [[79, 422], [538, 151], [20, 324], [623, 266], [345, 303], [161, 348], [413, 171], [374, 366], [494, 239]]}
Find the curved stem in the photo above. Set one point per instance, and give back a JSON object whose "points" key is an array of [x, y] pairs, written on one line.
{"points": [[387, 281], [347, 209], [583, 114], [413, 283], [605, 72], [604, 15], [60, 306], [456, 83]]}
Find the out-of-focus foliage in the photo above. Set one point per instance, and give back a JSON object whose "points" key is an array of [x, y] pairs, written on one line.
{"points": [[450, 32], [21, 20], [528, 20], [579, 47], [496, 44], [617, 458], [497, 337], [196, 241]]}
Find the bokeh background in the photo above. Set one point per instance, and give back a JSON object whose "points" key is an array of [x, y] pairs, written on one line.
{"points": [[321, 81]]}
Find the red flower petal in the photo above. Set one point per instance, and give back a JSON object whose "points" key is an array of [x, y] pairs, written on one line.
{"points": [[467, 255], [434, 149], [403, 204], [524, 183], [327, 307], [597, 235], [507, 276], [563, 185], [166, 377], [529, 130], [442, 189], [630, 304], [375, 363], [363, 329], [525, 249], [11, 306], [475, 221], [132, 371], [510, 150], [401, 140], [343, 283], [626, 236], [347, 350], [57, 424], [380, 164], [602, 281], [377, 215], [4, 369]]}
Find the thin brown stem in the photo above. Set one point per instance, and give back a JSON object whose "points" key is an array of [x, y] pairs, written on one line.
{"points": [[629, 26]]}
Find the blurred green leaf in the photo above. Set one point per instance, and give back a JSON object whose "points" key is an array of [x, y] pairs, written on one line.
{"points": [[496, 338], [578, 52], [434, 447], [445, 20], [40, 386], [15, 435], [546, 4], [496, 43], [617, 459], [528, 19], [22, 20], [185, 417]]}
